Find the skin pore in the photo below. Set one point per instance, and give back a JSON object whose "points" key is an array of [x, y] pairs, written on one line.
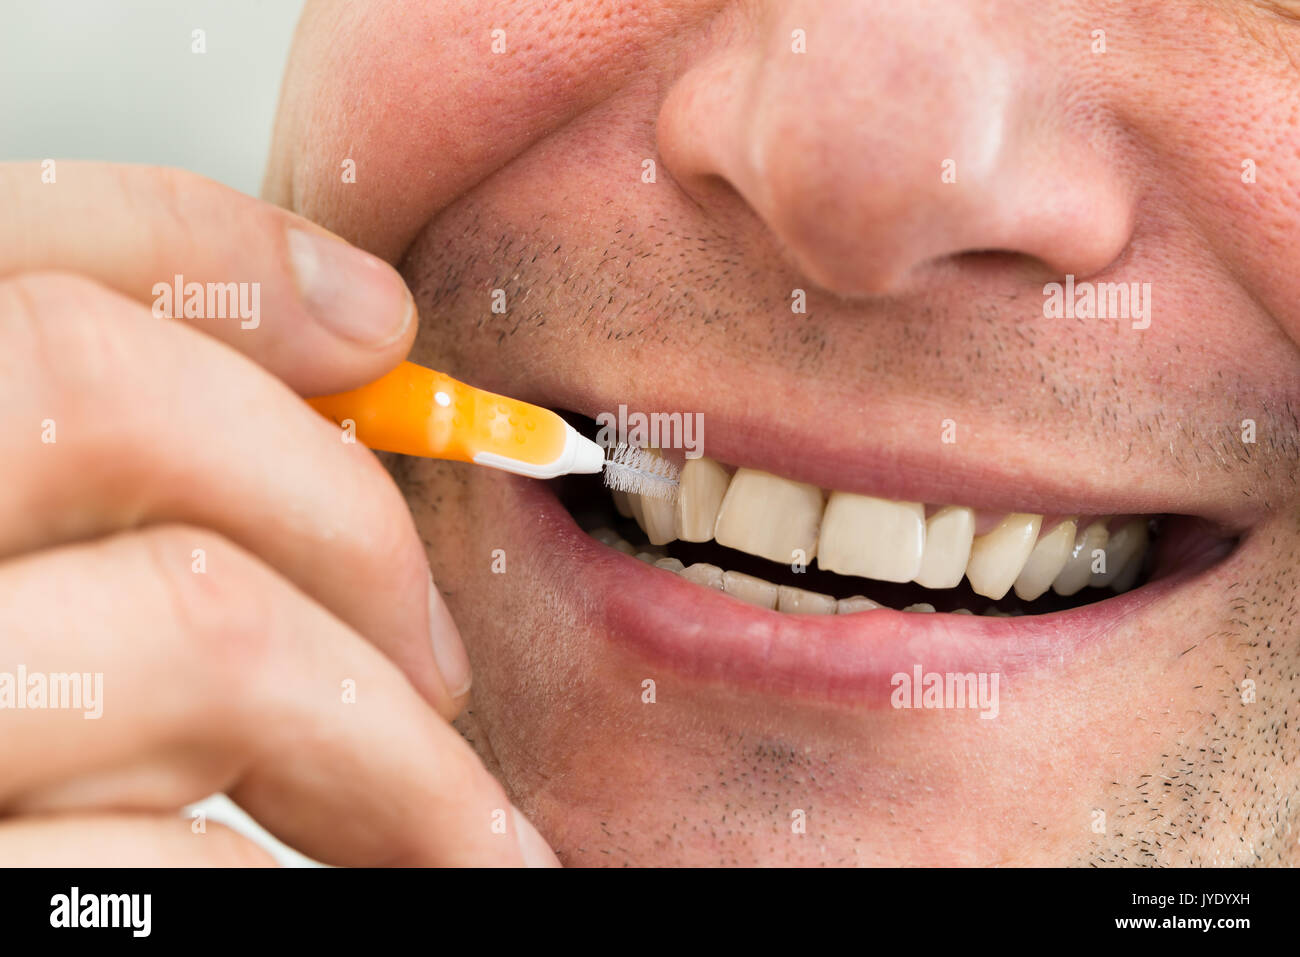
{"points": [[522, 171]]}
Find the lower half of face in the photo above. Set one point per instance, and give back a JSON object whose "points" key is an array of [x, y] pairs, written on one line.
{"points": [[644, 714], [970, 571]]}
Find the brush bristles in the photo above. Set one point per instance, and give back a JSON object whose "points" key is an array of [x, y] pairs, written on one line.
{"points": [[640, 472]]}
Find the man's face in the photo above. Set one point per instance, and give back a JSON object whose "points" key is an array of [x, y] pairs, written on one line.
{"points": [[920, 171]]}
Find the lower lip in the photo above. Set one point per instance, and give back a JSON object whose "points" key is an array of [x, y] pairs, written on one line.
{"points": [[704, 635]]}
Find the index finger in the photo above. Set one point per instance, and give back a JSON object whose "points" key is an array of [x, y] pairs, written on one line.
{"points": [[317, 312]]}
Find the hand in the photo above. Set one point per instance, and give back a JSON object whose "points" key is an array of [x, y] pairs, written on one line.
{"points": [[176, 519]]}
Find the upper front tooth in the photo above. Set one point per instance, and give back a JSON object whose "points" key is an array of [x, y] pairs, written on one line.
{"points": [[1127, 541], [770, 517], [948, 536], [997, 558], [1078, 568], [1046, 561], [872, 537], [702, 485]]}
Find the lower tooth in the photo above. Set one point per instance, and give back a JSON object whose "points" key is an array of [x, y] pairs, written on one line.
{"points": [[996, 559], [961, 611], [670, 564], [847, 606], [607, 536], [796, 601], [1129, 540], [1046, 561], [1078, 568], [647, 557], [749, 589], [703, 573], [923, 606]]}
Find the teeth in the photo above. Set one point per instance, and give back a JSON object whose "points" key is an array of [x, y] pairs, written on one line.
{"points": [[770, 517], [606, 536], [1078, 569], [703, 573], [621, 503], [847, 606], [872, 537], [1046, 561], [1129, 573], [749, 589], [948, 536], [1122, 546], [613, 539], [961, 611], [796, 601], [657, 518], [998, 557], [702, 486], [860, 535]]}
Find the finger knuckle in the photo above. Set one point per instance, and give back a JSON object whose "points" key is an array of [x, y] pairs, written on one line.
{"points": [[218, 599], [59, 341], [388, 544]]}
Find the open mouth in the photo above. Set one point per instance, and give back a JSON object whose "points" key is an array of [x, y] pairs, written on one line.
{"points": [[756, 580], [794, 548]]}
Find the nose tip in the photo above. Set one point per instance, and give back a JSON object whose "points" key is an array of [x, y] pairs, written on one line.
{"points": [[870, 171], [889, 239]]}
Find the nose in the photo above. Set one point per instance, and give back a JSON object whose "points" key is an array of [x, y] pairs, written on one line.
{"points": [[903, 135]]}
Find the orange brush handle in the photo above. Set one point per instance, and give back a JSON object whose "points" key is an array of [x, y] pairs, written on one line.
{"points": [[417, 411]]}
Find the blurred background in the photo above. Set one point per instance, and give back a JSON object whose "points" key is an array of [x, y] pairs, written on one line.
{"points": [[117, 80]]}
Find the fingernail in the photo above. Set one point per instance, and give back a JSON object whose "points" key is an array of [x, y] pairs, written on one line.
{"points": [[354, 294], [536, 852], [448, 649]]}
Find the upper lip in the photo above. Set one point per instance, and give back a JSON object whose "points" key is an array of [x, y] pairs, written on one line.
{"points": [[891, 449]]}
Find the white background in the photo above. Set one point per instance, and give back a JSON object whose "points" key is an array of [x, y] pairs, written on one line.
{"points": [[115, 80]]}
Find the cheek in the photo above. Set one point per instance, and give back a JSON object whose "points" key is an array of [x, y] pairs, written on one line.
{"points": [[453, 92], [1217, 109]]}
